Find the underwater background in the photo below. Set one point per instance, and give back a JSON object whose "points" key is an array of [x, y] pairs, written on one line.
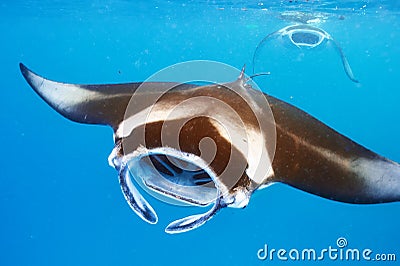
{"points": [[60, 201]]}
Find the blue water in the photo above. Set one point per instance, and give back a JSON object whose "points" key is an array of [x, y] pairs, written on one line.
{"points": [[60, 202]]}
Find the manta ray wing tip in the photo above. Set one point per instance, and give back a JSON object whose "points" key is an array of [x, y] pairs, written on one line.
{"points": [[24, 70]]}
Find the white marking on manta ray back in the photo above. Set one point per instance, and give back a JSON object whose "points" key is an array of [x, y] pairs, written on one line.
{"points": [[247, 140], [62, 95], [252, 146], [156, 113], [382, 177], [321, 151]]}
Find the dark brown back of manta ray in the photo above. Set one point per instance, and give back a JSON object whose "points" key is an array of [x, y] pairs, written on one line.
{"points": [[300, 163]]}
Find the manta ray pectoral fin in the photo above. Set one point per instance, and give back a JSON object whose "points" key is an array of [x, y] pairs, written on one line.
{"points": [[103, 104], [261, 44], [194, 221], [135, 200], [345, 63], [89, 104]]}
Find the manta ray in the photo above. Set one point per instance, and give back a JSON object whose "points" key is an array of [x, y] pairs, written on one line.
{"points": [[308, 37], [216, 144]]}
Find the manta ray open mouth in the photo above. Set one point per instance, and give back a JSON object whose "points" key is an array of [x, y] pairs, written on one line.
{"points": [[172, 176], [306, 39], [175, 176]]}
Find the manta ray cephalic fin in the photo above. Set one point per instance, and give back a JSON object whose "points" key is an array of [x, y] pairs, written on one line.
{"points": [[194, 221], [135, 200]]}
